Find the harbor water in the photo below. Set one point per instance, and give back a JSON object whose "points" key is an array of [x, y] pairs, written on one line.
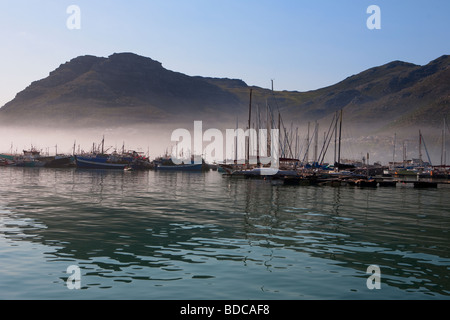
{"points": [[180, 235]]}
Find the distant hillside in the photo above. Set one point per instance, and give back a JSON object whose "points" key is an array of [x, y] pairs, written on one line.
{"points": [[397, 94], [126, 88], [123, 88]]}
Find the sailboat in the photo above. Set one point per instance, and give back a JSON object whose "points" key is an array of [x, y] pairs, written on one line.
{"points": [[338, 164]]}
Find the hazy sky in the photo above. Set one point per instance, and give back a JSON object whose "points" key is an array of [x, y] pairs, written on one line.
{"points": [[302, 45]]}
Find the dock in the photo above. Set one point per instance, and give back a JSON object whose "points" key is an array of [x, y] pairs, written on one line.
{"points": [[293, 178], [424, 184]]}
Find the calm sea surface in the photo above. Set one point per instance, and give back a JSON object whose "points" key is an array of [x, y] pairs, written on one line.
{"points": [[166, 235]]}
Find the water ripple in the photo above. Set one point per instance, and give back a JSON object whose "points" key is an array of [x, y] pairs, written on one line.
{"points": [[206, 236]]}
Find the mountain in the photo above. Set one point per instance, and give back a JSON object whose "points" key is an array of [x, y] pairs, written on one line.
{"points": [[122, 88], [128, 88], [397, 94]]}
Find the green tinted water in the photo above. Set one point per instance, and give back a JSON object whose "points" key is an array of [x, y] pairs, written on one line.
{"points": [[168, 235]]}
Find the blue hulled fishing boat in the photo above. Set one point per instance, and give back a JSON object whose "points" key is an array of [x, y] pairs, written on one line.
{"points": [[98, 159], [166, 164], [101, 161], [181, 167]]}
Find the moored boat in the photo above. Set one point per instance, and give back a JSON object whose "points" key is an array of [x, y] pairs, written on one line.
{"points": [[166, 164], [30, 158], [59, 161], [100, 161], [181, 167]]}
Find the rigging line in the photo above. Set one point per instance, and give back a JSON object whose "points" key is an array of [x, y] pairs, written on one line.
{"points": [[285, 136], [327, 138], [309, 145], [302, 145], [446, 124], [276, 102], [279, 112], [423, 141], [274, 125]]}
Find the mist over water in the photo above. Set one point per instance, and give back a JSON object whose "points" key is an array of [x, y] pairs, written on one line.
{"points": [[154, 140]]}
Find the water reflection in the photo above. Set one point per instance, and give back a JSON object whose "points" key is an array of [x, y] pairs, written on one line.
{"points": [[169, 226]]}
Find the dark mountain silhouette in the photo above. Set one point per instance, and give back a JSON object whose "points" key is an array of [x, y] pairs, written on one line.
{"points": [[127, 88]]}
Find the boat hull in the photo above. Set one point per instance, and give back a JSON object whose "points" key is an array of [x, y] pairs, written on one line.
{"points": [[30, 163], [181, 167], [98, 163], [59, 162]]}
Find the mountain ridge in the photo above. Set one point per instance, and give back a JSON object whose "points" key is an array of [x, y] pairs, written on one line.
{"points": [[128, 88]]}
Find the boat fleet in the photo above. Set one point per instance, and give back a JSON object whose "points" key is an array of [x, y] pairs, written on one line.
{"points": [[290, 170], [99, 159], [369, 176]]}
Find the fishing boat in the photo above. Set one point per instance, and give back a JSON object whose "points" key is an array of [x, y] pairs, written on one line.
{"points": [[7, 159], [100, 161], [167, 164], [181, 167], [3, 162], [30, 158], [58, 161], [137, 161]]}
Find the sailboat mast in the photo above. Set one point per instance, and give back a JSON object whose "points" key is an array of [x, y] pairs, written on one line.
{"points": [[236, 143], [335, 136], [340, 137], [247, 160], [445, 149], [279, 137], [404, 154], [258, 119], [444, 152], [316, 142], [393, 155], [307, 144], [420, 147], [268, 124]]}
